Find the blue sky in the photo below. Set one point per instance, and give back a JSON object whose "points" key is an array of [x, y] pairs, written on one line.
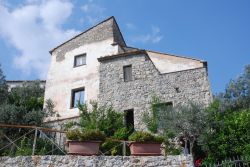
{"points": [[211, 30]]}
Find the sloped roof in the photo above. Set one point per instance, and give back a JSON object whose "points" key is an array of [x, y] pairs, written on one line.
{"points": [[164, 63], [167, 63], [103, 30]]}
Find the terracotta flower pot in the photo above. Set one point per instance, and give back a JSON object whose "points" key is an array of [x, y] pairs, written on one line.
{"points": [[138, 148], [83, 147]]}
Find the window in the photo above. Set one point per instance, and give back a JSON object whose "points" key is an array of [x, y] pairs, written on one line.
{"points": [[80, 60], [77, 97], [163, 111], [127, 73], [129, 118]]}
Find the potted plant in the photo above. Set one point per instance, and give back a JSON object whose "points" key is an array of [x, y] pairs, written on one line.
{"points": [[84, 143], [144, 143]]}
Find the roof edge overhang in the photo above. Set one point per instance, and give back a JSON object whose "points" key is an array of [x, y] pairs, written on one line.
{"points": [[109, 57], [111, 17]]}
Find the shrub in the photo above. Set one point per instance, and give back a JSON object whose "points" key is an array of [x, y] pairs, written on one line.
{"points": [[122, 133], [140, 136], [104, 119], [76, 134], [95, 135], [111, 147], [73, 134]]}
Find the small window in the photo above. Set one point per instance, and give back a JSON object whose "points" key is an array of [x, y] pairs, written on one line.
{"points": [[127, 73], [80, 60], [129, 119], [77, 97]]}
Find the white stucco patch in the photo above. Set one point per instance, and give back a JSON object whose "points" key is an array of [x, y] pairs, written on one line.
{"points": [[63, 77], [168, 63]]}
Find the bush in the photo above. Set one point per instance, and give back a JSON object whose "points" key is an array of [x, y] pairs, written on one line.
{"points": [[104, 119], [111, 147], [140, 136], [122, 134], [92, 135], [73, 134], [86, 135]]}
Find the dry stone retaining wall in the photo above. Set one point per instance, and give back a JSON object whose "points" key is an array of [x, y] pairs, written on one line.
{"points": [[96, 161]]}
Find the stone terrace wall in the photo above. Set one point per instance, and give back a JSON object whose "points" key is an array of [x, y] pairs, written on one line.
{"points": [[96, 161], [175, 87]]}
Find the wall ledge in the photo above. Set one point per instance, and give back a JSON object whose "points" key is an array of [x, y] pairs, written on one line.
{"points": [[97, 161]]}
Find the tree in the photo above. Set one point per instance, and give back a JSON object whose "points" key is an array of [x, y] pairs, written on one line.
{"points": [[185, 121], [24, 106], [3, 88], [189, 121], [237, 93], [227, 135], [227, 132]]}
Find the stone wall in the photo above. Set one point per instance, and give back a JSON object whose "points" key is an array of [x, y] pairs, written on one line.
{"points": [[176, 87], [96, 161]]}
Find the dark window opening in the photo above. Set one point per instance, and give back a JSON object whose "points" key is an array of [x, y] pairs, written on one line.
{"points": [[177, 89], [163, 112], [80, 60], [77, 97], [129, 119], [127, 73]]}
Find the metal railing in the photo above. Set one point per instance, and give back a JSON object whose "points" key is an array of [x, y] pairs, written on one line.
{"points": [[36, 132], [238, 161]]}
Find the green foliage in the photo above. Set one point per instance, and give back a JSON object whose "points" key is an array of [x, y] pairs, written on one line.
{"points": [[25, 145], [227, 135], [76, 134], [183, 121], [29, 96], [122, 133], [24, 106], [172, 149], [227, 132], [67, 126], [73, 134], [140, 136], [237, 93], [152, 119], [3, 88], [105, 119], [92, 135], [111, 147]]}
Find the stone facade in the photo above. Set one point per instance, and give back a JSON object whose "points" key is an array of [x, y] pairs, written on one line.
{"points": [[97, 161], [176, 87], [173, 78]]}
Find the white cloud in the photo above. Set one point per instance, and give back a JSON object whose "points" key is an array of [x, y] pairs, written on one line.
{"points": [[93, 12], [130, 26], [153, 37], [33, 29]]}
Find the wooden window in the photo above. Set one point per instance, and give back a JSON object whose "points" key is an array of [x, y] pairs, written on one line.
{"points": [[127, 73], [80, 60], [77, 97]]}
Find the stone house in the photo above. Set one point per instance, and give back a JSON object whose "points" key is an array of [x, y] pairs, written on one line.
{"points": [[98, 65]]}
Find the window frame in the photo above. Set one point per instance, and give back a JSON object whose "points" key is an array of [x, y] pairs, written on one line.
{"points": [[72, 100], [131, 78], [84, 55]]}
